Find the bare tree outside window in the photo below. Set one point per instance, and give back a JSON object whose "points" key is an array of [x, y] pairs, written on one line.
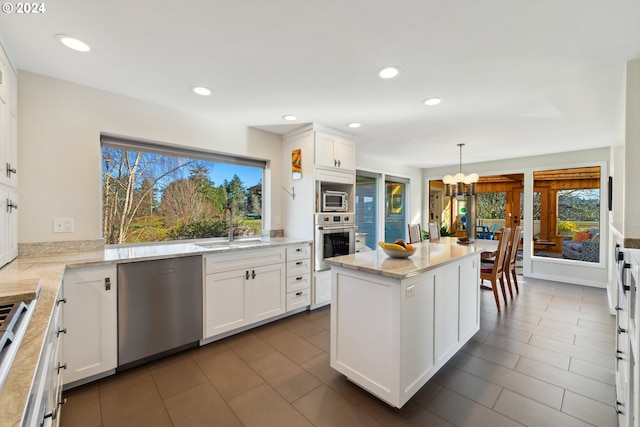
{"points": [[151, 197]]}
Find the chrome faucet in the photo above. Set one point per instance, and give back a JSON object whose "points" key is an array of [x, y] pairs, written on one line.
{"points": [[230, 209]]}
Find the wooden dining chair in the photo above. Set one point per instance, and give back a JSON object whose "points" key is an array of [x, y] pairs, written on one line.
{"points": [[510, 259], [415, 233], [434, 231], [494, 271]]}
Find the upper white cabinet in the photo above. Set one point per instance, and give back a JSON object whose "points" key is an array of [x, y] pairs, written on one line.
{"points": [[8, 123], [8, 161], [90, 318], [335, 151]]}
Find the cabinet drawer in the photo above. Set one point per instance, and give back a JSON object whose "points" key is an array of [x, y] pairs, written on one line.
{"points": [[296, 268], [242, 259], [298, 299], [297, 283], [299, 252]]}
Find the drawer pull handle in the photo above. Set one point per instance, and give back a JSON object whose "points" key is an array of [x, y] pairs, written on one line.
{"points": [[621, 330], [299, 263], [53, 415], [299, 278], [61, 331], [253, 274], [299, 250], [246, 275], [61, 300], [61, 366], [298, 294]]}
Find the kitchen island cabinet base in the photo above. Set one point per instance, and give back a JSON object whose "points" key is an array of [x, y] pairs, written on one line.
{"points": [[390, 336]]}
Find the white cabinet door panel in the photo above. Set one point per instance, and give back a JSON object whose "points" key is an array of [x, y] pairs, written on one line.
{"points": [[90, 316]]}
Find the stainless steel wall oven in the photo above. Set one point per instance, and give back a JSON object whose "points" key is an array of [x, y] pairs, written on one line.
{"points": [[335, 234]]}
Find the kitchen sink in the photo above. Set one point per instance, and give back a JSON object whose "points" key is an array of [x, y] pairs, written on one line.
{"points": [[231, 245]]}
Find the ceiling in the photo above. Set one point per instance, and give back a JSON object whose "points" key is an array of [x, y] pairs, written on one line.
{"points": [[516, 78]]}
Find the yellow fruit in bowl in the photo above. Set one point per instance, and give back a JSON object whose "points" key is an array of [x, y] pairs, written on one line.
{"points": [[391, 246]]}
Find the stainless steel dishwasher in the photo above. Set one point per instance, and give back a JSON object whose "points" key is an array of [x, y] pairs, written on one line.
{"points": [[159, 308]]}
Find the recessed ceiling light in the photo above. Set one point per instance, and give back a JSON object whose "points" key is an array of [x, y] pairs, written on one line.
{"points": [[353, 125], [432, 101], [389, 72], [73, 43], [201, 90], [289, 117]]}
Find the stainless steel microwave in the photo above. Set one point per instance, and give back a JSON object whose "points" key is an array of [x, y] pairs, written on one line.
{"points": [[335, 201]]}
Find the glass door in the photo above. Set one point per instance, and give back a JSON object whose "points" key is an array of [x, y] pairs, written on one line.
{"points": [[366, 208], [395, 224]]}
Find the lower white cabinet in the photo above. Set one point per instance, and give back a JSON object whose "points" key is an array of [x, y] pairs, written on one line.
{"points": [[298, 277], [242, 288], [390, 335], [45, 398], [90, 317]]}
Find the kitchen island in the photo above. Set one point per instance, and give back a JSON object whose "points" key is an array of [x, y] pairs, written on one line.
{"points": [[395, 322]]}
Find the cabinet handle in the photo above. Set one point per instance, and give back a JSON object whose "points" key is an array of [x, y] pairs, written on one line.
{"points": [[10, 170], [61, 300], [618, 308], [253, 274], [335, 162], [618, 403], [621, 330], [61, 366], [299, 263], [299, 250], [53, 415], [11, 206], [107, 283], [298, 294], [246, 275], [61, 331], [299, 278]]}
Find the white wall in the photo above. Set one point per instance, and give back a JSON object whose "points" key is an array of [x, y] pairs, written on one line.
{"points": [[590, 274], [59, 126]]}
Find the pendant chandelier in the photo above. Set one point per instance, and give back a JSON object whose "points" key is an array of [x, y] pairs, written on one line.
{"points": [[460, 184]]}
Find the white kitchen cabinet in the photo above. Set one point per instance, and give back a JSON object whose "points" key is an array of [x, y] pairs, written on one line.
{"points": [[8, 224], [242, 288], [90, 317], [45, 397], [334, 151], [390, 335], [267, 291], [298, 277], [446, 303], [8, 128], [469, 295]]}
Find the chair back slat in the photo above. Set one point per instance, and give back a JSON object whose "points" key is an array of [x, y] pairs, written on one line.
{"points": [[502, 250], [434, 231], [415, 233]]}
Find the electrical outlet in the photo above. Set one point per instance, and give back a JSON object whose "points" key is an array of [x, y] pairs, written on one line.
{"points": [[63, 225], [410, 291], [277, 219]]}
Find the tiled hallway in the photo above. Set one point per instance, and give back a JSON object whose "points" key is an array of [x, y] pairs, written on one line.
{"points": [[547, 360]]}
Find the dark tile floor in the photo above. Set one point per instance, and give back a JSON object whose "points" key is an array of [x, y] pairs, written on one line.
{"points": [[546, 360]]}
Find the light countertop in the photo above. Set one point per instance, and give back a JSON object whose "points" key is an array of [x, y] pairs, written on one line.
{"points": [[26, 277], [428, 255]]}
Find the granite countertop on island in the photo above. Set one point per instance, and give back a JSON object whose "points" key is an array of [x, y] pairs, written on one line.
{"points": [[29, 276], [428, 255]]}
